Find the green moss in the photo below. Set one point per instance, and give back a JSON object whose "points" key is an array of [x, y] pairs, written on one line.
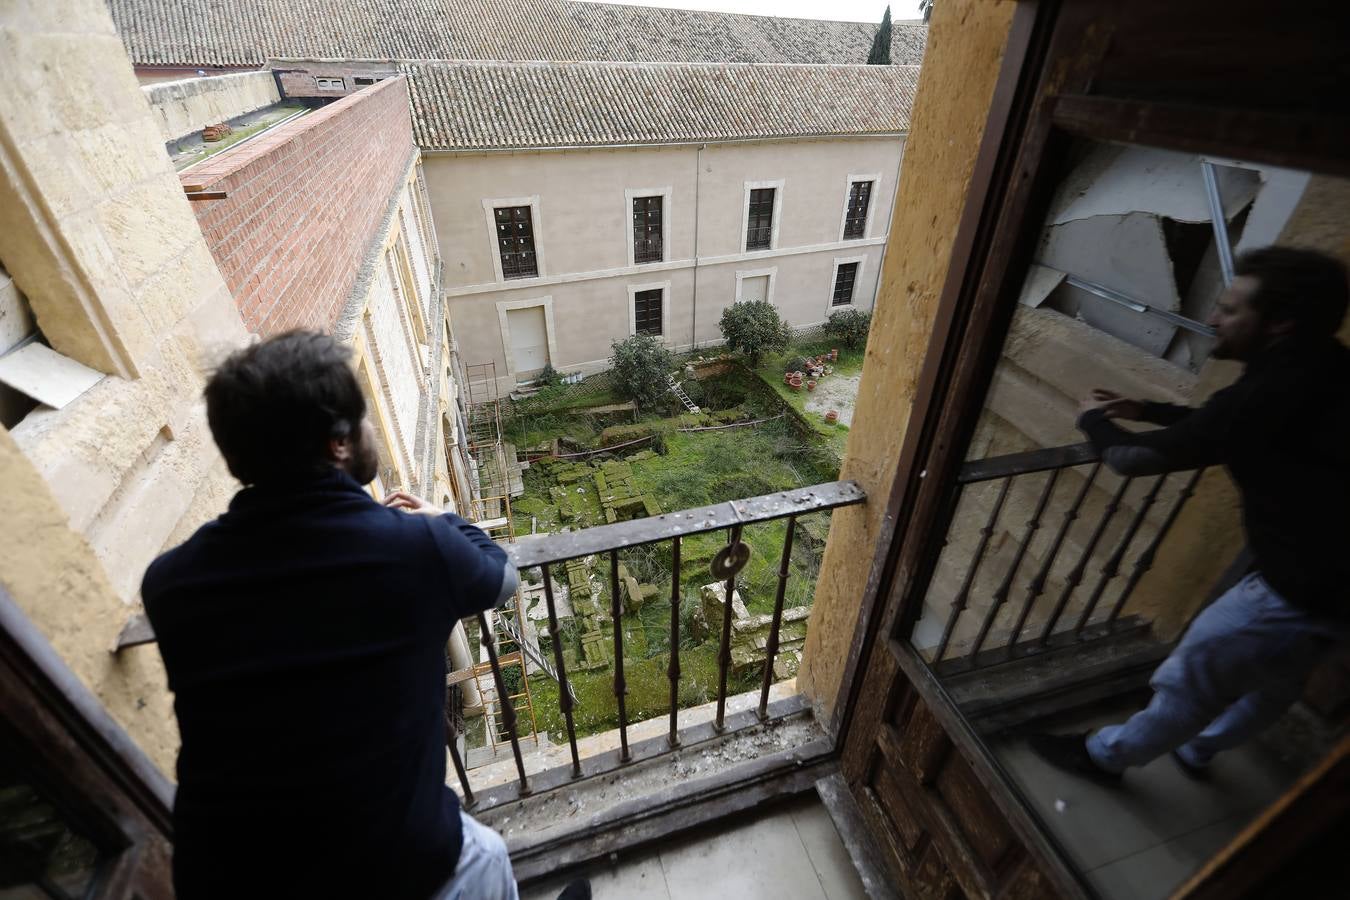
{"points": [[691, 470], [648, 691]]}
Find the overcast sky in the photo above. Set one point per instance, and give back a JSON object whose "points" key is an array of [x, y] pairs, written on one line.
{"points": [[839, 10]]}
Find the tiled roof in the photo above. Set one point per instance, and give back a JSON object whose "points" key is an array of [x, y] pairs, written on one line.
{"points": [[491, 105], [249, 32], [648, 34]]}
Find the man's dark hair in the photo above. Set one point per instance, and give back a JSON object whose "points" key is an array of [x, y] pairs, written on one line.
{"points": [[274, 407], [1309, 288]]}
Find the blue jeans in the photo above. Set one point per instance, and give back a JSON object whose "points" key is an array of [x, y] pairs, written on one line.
{"points": [[484, 868], [1240, 665]]}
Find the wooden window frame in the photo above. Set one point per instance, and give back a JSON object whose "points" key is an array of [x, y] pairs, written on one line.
{"points": [[631, 196], [70, 747], [653, 328], [839, 267], [874, 179], [490, 207], [776, 214]]}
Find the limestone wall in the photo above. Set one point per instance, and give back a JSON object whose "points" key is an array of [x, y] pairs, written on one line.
{"points": [[96, 232], [965, 48], [188, 105]]}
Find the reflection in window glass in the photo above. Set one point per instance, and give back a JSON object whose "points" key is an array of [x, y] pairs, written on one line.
{"points": [[42, 855], [1061, 585]]}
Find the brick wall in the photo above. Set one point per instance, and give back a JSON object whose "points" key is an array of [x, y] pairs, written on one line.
{"points": [[304, 201]]}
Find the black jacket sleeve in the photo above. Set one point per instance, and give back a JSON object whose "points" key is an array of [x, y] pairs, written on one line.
{"points": [[1158, 413], [1197, 437], [480, 573]]}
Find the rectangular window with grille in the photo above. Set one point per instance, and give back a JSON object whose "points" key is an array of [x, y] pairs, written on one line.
{"points": [[647, 312], [759, 223], [844, 277], [515, 240], [648, 239], [855, 219]]}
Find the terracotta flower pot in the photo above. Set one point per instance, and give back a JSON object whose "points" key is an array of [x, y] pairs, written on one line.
{"points": [[834, 355], [810, 385], [832, 417], [795, 386]]}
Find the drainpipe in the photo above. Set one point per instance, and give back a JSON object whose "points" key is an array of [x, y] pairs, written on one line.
{"points": [[698, 174], [461, 658], [890, 221]]}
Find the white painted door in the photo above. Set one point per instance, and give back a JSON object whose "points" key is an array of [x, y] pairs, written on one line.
{"points": [[529, 339], [755, 289]]}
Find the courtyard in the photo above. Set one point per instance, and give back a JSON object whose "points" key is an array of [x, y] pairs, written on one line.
{"points": [[595, 459]]}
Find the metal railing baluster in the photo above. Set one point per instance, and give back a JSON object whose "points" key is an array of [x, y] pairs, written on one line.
{"points": [[771, 647], [963, 595], [1037, 585], [508, 712], [565, 700], [1075, 576], [724, 651], [673, 671], [620, 684], [1111, 568], [452, 745], [1145, 560], [1005, 588]]}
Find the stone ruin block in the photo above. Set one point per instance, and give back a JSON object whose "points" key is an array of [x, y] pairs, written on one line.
{"points": [[714, 597]]}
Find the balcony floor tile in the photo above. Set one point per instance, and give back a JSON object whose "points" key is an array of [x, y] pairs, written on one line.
{"points": [[788, 852]]}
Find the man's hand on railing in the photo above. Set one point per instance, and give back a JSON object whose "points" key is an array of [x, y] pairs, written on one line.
{"points": [[405, 501], [1112, 405]]}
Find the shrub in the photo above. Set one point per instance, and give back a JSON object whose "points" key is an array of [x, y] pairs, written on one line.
{"points": [[754, 328], [640, 365], [849, 327], [548, 376]]}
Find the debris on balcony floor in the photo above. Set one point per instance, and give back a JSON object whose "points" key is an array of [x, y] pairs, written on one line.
{"points": [[790, 851]]}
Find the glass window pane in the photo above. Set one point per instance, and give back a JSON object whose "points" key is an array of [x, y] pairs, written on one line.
{"points": [[42, 854]]}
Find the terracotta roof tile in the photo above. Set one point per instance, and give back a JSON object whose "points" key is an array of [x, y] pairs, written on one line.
{"points": [[249, 32], [495, 105]]}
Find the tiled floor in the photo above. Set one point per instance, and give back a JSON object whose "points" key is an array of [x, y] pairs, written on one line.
{"points": [[789, 852], [1141, 840]]}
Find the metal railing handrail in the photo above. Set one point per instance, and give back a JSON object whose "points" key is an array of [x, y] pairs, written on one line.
{"points": [[544, 551], [562, 546], [1054, 460], [1026, 462]]}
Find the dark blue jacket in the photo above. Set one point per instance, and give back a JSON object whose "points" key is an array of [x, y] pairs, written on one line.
{"points": [[304, 635], [1283, 432]]}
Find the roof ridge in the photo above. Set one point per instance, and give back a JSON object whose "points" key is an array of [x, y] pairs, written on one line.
{"points": [[615, 63], [740, 15]]}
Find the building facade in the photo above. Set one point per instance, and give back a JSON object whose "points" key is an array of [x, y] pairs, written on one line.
{"points": [[675, 194], [322, 222]]}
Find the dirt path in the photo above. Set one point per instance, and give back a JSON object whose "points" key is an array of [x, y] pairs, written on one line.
{"points": [[835, 392]]}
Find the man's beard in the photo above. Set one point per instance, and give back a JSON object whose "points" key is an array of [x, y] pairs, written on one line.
{"points": [[365, 464]]}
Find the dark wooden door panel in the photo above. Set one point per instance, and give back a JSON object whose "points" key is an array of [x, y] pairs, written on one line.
{"points": [[947, 838]]}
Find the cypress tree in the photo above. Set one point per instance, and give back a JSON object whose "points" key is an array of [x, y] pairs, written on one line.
{"points": [[881, 44]]}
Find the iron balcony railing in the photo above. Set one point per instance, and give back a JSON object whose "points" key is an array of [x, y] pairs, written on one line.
{"points": [[543, 553], [647, 250], [548, 551], [1034, 617]]}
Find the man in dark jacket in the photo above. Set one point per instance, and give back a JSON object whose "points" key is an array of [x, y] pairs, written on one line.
{"points": [[1283, 431], [304, 636]]}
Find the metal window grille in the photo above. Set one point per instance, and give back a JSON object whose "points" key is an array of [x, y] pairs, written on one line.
{"points": [[855, 219], [843, 284], [647, 311], [759, 225], [515, 241], [648, 239]]}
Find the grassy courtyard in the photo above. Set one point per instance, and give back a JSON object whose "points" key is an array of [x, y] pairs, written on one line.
{"points": [[667, 470]]}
